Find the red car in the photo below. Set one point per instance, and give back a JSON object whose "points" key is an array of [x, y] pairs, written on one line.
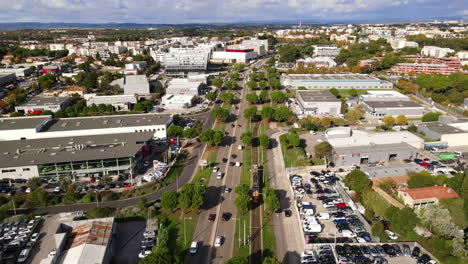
{"points": [[424, 164], [426, 159], [340, 205], [92, 180], [211, 217]]}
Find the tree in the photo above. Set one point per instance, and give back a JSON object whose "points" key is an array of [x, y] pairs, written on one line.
{"points": [[272, 203], [252, 84], [251, 113], [242, 189], [421, 179], [247, 138], [335, 92], [234, 76], [277, 97], [231, 85], [353, 93], [294, 140], [34, 182], [106, 180], [227, 97], [71, 195], [190, 133], [270, 260], [220, 113], [211, 137], [357, 181], [264, 141], [325, 122], [282, 114], [267, 113], [211, 96], [174, 131], [217, 82], [430, 117], [252, 98], [262, 97], [37, 198], [401, 120], [98, 212], [242, 203], [46, 81], [323, 149], [185, 196], [389, 121], [169, 200], [238, 260], [262, 84], [274, 84]]}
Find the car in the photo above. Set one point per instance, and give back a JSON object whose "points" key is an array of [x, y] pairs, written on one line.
{"points": [[52, 254], [381, 251], [323, 216], [23, 255], [287, 213], [424, 164], [227, 189], [356, 250], [233, 156], [219, 176], [373, 251], [339, 250], [211, 217], [28, 190], [340, 205], [362, 260], [149, 233], [215, 169], [238, 164], [379, 260], [148, 240], [432, 262], [391, 235], [397, 249], [423, 259], [389, 250], [415, 253], [348, 233], [365, 251], [218, 241], [57, 189], [225, 160], [144, 253], [146, 163], [226, 216], [193, 247], [406, 250], [345, 260]]}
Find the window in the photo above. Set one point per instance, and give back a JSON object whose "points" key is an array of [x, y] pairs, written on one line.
{"points": [[10, 170], [26, 169]]}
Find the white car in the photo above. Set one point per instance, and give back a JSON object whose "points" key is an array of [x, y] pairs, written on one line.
{"points": [[34, 237], [193, 247], [323, 216], [23, 255], [348, 233], [360, 240], [391, 235], [312, 132], [52, 253], [144, 253], [238, 164], [215, 169], [149, 233], [57, 189], [218, 241], [219, 176], [28, 190]]}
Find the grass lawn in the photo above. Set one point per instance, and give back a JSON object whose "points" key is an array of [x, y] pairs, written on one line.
{"points": [[246, 166], [242, 250], [268, 236], [293, 157], [203, 174]]}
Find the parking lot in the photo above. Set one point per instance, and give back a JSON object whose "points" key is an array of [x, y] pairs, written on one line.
{"points": [[128, 242], [17, 239]]}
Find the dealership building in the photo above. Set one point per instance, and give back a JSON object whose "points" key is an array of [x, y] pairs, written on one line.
{"points": [[337, 81], [319, 102]]}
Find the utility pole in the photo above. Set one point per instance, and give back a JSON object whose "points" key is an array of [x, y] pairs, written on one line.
{"points": [[244, 233]]}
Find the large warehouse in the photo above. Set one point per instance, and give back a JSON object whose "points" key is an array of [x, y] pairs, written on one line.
{"points": [[96, 155], [337, 81], [41, 104], [393, 108], [320, 102], [20, 128], [454, 134]]}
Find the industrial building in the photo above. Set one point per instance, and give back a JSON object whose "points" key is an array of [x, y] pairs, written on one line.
{"points": [[7, 78], [454, 134], [121, 102], [79, 156], [234, 56], [387, 95], [337, 81], [184, 87], [41, 104], [393, 108], [136, 84], [171, 101], [318, 62], [319, 102], [41, 127]]}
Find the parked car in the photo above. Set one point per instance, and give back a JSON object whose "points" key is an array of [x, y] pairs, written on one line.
{"points": [[415, 253], [391, 235], [218, 241]]}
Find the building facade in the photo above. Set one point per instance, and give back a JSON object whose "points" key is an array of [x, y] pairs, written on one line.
{"points": [[320, 102], [337, 81], [393, 108], [38, 105]]}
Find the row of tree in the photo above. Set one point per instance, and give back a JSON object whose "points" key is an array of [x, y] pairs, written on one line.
{"points": [[279, 114], [189, 197]]}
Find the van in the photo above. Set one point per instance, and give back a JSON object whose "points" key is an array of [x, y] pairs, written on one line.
{"points": [[193, 247], [323, 216], [239, 147], [238, 164], [23, 255]]}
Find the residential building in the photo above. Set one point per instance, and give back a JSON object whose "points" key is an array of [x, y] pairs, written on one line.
{"points": [[135, 67], [337, 81], [316, 62], [433, 51], [37, 105], [184, 87], [136, 84], [121, 102], [393, 108], [454, 134], [422, 68], [318, 102], [326, 50], [418, 198], [184, 59], [79, 156]]}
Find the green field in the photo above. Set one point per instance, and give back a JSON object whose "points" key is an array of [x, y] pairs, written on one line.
{"points": [[293, 157]]}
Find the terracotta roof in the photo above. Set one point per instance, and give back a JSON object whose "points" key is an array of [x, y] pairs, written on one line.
{"points": [[439, 192]]}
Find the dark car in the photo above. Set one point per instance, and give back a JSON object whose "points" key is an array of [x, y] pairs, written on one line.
{"points": [[233, 156], [340, 250], [226, 216], [225, 160], [287, 213], [406, 250], [423, 259], [397, 249], [365, 251], [415, 253], [348, 250], [321, 197], [389, 250], [362, 260], [381, 250]]}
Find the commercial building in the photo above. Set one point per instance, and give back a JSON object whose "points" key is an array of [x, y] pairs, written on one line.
{"points": [[393, 108], [320, 102], [184, 87], [171, 101], [79, 156], [389, 96], [259, 46], [84, 241], [318, 62], [184, 59], [326, 50], [347, 156], [135, 67], [45, 127], [41, 104], [337, 81], [433, 51], [7, 78], [136, 84], [234, 56], [423, 68], [19, 72], [454, 134], [418, 198], [121, 102], [392, 170]]}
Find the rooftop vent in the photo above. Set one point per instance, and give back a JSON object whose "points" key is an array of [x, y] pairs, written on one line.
{"points": [[53, 154]]}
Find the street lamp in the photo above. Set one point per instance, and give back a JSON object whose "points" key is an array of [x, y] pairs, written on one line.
{"points": [[97, 198]]}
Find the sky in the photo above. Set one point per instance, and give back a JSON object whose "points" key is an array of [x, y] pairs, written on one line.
{"points": [[226, 11]]}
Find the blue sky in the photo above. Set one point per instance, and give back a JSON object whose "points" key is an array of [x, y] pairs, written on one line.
{"points": [[206, 11]]}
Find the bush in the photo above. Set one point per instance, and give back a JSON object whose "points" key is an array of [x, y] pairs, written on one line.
{"points": [[357, 181], [430, 117], [421, 179], [99, 212]]}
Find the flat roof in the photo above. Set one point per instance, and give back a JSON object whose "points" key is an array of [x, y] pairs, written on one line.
{"points": [[333, 77], [99, 122], [441, 128], [39, 101], [30, 122], [392, 170], [392, 104], [135, 79], [373, 148], [56, 150], [317, 96]]}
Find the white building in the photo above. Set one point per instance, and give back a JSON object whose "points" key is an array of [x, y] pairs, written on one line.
{"points": [[234, 56], [41, 104], [136, 84], [260, 46], [121, 102], [337, 81], [57, 46], [184, 59], [135, 67], [326, 50], [317, 62], [19, 72], [318, 102], [184, 87], [437, 52], [171, 101], [389, 95]]}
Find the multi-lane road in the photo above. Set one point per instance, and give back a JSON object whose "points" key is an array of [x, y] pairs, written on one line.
{"points": [[216, 200]]}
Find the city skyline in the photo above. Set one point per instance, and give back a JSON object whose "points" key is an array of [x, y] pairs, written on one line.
{"points": [[210, 11]]}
